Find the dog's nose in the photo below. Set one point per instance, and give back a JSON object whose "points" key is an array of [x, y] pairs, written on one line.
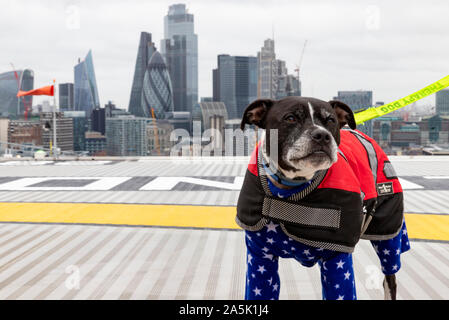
{"points": [[320, 136]]}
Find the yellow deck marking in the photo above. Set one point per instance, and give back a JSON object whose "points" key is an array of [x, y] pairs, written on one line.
{"points": [[420, 226]]}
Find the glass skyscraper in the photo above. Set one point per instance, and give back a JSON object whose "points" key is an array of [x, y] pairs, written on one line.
{"points": [[442, 102], [358, 100], [80, 127], [268, 70], [144, 54], [66, 96], [10, 83], [126, 136], [235, 83], [180, 51], [85, 86], [157, 90]]}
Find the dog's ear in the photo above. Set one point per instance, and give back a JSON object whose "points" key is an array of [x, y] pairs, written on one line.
{"points": [[344, 114], [255, 113]]}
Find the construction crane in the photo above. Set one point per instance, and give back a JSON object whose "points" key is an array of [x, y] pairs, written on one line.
{"points": [[298, 66], [26, 104], [156, 133]]}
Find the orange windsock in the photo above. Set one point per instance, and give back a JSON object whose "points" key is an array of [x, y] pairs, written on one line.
{"points": [[44, 91]]}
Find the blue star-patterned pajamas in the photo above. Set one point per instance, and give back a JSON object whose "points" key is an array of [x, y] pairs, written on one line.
{"points": [[264, 247], [389, 251]]}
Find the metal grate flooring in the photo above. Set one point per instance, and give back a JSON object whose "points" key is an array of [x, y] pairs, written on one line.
{"points": [[44, 261]]}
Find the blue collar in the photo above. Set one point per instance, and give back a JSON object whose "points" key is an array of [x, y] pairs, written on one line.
{"points": [[280, 178]]}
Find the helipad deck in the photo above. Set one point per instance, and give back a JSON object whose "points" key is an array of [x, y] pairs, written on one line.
{"points": [[163, 229]]}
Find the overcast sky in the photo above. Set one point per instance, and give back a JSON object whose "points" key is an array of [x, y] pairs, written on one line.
{"points": [[390, 47]]}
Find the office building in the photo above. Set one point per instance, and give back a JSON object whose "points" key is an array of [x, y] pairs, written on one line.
{"points": [[180, 51], [95, 143], [10, 83], [85, 86], [66, 97], [126, 136], [98, 120], [235, 83], [144, 54], [267, 71], [274, 81], [157, 92], [358, 100], [293, 86], [24, 132], [80, 127], [64, 131], [442, 102], [4, 125]]}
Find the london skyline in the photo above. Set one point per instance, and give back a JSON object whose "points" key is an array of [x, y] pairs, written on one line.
{"points": [[391, 49]]}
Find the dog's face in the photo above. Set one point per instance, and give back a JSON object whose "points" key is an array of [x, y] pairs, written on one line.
{"points": [[308, 132]]}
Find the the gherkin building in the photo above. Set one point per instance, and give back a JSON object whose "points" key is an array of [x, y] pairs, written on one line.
{"points": [[157, 92]]}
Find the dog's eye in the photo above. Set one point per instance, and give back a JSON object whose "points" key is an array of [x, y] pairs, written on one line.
{"points": [[290, 119], [330, 119]]}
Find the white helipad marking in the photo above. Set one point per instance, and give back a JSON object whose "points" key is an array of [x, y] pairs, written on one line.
{"points": [[168, 183], [25, 163], [408, 185], [81, 163], [436, 177], [98, 183]]}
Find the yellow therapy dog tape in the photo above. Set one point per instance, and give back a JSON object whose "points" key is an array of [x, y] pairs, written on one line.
{"points": [[372, 113]]}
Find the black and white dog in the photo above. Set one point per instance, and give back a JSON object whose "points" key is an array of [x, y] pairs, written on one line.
{"points": [[304, 198]]}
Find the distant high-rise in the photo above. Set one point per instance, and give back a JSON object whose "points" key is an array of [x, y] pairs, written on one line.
{"points": [[126, 136], [64, 131], [442, 102], [180, 51], [357, 100], [10, 83], [85, 86], [235, 83], [66, 96], [144, 54], [268, 71], [157, 93], [98, 120], [293, 86], [80, 127]]}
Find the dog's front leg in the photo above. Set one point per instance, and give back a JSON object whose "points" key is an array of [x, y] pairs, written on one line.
{"points": [[390, 287], [262, 276]]}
